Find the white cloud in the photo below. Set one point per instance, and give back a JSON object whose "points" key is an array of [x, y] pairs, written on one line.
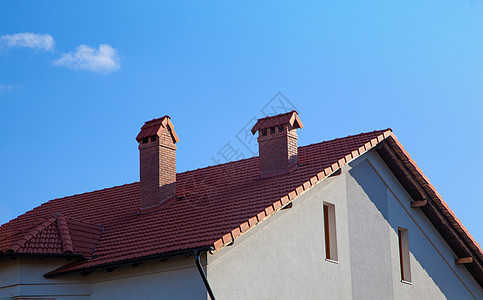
{"points": [[103, 60], [29, 40], [5, 88]]}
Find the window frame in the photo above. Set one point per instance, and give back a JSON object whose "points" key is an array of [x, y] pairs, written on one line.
{"points": [[404, 255], [330, 233]]}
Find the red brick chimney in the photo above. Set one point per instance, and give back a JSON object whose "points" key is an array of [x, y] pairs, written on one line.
{"points": [[157, 152], [277, 143]]}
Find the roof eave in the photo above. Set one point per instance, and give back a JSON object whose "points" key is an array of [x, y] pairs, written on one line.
{"points": [[178, 253], [436, 210]]}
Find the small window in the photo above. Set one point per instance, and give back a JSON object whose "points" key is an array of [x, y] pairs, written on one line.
{"points": [[272, 130], [153, 138], [264, 132], [145, 140], [404, 255], [330, 232], [280, 128]]}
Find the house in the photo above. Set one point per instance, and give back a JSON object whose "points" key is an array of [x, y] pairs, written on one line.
{"points": [[350, 218]]}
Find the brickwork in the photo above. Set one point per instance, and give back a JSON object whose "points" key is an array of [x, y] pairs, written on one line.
{"points": [[277, 150], [157, 168]]}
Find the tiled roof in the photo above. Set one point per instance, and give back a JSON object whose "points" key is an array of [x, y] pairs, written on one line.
{"points": [[54, 235], [214, 206], [291, 118]]}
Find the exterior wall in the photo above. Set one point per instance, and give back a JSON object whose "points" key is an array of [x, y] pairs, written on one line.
{"points": [[177, 278], [369, 236], [375, 194], [283, 257], [22, 277]]}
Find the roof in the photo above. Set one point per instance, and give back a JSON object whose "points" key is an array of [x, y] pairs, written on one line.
{"points": [[155, 127], [291, 118], [215, 205], [55, 235]]}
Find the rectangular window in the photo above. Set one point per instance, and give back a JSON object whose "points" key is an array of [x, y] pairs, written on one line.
{"points": [[330, 232], [404, 255]]}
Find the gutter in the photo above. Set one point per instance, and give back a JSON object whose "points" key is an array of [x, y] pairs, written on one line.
{"points": [[202, 274]]}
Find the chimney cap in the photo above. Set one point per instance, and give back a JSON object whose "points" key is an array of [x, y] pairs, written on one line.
{"points": [[155, 127], [291, 118]]}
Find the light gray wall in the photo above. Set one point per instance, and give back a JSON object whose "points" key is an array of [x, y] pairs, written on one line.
{"points": [[369, 235], [177, 278], [283, 257], [24, 277], [375, 194]]}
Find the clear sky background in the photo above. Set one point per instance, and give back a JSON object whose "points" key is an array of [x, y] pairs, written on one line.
{"points": [[79, 78]]}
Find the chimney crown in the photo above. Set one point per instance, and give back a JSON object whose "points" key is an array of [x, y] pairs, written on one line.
{"points": [[156, 127], [291, 118]]}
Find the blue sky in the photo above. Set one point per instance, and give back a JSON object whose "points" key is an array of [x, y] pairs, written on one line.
{"points": [[78, 79]]}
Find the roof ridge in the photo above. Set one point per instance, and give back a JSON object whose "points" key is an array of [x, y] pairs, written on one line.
{"points": [[30, 234], [98, 242], [255, 156], [65, 238], [359, 134], [77, 220], [348, 136], [220, 164]]}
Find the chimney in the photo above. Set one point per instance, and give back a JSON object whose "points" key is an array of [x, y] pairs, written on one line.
{"points": [[277, 143], [157, 152]]}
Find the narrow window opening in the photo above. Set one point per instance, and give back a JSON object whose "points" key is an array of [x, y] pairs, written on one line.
{"points": [[280, 128], [404, 257], [330, 234], [264, 132], [272, 130], [153, 138], [145, 140]]}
